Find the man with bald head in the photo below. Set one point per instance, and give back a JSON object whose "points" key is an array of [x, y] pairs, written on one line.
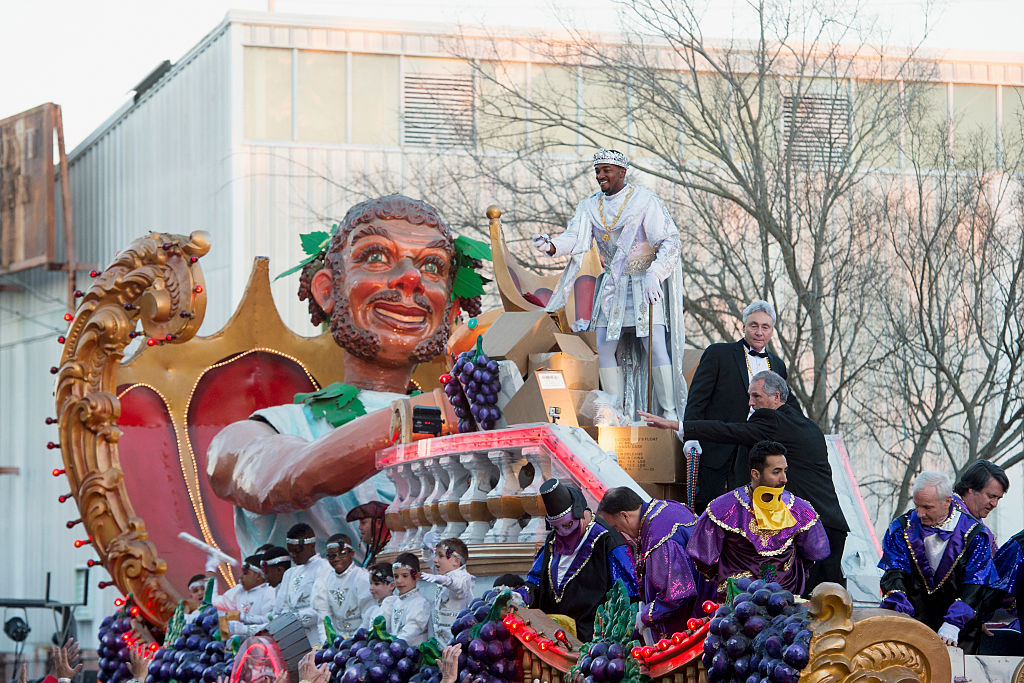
{"points": [[937, 563]]}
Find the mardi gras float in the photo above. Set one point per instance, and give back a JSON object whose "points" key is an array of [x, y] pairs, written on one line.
{"points": [[454, 425]]}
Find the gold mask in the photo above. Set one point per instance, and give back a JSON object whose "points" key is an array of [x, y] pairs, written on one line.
{"points": [[771, 513]]}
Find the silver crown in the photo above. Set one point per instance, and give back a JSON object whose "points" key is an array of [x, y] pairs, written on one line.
{"points": [[610, 156]]}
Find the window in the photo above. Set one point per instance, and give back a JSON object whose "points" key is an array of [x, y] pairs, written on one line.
{"points": [[375, 96], [438, 109], [320, 96], [268, 93], [816, 127]]}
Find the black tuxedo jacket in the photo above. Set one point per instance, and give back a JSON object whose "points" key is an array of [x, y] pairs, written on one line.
{"points": [[809, 476], [718, 391]]}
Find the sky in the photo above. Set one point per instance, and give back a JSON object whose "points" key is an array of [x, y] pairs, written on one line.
{"points": [[87, 55]]}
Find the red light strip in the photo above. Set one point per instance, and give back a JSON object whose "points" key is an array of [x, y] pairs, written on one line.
{"points": [[845, 459]]}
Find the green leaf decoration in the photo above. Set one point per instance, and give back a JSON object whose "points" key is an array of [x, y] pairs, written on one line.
{"points": [[176, 624], [497, 611], [467, 284], [338, 403], [329, 630], [295, 269], [379, 631], [430, 652], [731, 589], [314, 242], [473, 248], [614, 624]]}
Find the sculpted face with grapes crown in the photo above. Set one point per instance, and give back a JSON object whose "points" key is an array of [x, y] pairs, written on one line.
{"points": [[389, 280]]}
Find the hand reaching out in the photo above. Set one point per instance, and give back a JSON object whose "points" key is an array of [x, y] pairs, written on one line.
{"points": [[309, 671], [66, 660], [450, 663], [137, 664], [659, 422], [22, 673]]}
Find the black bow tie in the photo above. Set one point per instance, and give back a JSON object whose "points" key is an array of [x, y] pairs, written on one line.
{"points": [[752, 352]]}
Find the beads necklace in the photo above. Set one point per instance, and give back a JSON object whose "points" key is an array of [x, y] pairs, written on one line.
{"points": [[750, 370], [600, 209]]}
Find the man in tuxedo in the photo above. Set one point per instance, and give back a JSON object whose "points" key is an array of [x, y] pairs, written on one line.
{"points": [[774, 419], [718, 391]]}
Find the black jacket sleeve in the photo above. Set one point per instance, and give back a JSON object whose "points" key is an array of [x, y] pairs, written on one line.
{"points": [[758, 428]]}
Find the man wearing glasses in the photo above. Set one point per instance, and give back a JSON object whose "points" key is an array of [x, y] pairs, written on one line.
{"points": [[342, 594]]}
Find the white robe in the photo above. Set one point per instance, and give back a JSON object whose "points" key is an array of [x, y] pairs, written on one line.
{"points": [[342, 597], [408, 616], [454, 593], [254, 608], [644, 231], [295, 594]]}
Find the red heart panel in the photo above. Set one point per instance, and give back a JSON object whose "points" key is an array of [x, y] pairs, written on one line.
{"points": [[148, 452]]}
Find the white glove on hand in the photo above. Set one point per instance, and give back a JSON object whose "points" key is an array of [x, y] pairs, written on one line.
{"points": [[211, 563], [691, 445], [431, 578], [948, 632], [517, 599], [652, 288], [237, 628], [639, 623], [307, 619], [542, 243]]}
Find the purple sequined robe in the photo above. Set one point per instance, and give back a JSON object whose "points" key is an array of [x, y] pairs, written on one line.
{"points": [[726, 542], [669, 585], [955, 590]]}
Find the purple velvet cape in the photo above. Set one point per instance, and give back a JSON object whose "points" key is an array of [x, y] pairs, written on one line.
{"points": [[669, 585], [951, 593], [727, 543]]}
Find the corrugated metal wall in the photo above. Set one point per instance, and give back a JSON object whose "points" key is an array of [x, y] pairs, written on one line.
{"points": [[163, 163]]}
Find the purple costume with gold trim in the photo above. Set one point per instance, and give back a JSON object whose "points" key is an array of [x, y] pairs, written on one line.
{"points": [[600, 561], [955, 588], [669, 585], [727, 542]]}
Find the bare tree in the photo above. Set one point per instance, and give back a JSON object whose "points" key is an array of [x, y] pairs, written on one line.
{"points": [[761, 148], [950, 391]]}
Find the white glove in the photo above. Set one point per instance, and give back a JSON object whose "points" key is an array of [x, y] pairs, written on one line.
{"points": [[431, 578], [639, 623], [211, 563], [307, 619], [517, 599], [237, 628], [542, 243], [652, 288], [580, 325], [691, 445], [949, 632]]}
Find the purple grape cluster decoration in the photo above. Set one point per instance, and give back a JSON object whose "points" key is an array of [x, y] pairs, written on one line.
{"points": [[197, 654], [114, 636], [762, 636], [472, 389], [489, 652], [372, 656]]}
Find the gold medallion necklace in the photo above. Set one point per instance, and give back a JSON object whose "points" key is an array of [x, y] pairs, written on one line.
{"points": [[600, 209]]}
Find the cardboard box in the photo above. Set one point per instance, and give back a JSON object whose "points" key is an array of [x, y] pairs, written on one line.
{"points": [[543, 390], [574, 358], [648, 454], [515, 335], [676, 492]]}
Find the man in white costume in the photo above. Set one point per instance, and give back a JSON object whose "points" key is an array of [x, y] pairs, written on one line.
{"points": [[640, 288], [295, 594], [342, 594], [253, 598]]}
